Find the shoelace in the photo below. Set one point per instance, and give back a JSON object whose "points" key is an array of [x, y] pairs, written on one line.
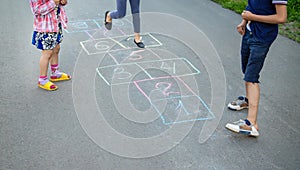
{"points": [[240, 122], [239, 100]]}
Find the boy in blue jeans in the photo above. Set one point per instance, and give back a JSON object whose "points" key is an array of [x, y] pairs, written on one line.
{"points": [[259, 28]]}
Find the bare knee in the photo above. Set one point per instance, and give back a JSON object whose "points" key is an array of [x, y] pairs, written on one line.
{"points": [[56, 49], [47, 54]]}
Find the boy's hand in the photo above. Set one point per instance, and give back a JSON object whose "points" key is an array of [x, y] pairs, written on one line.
{"points": [[56, 2], [241, 28], [63, 2], [247, 15]]}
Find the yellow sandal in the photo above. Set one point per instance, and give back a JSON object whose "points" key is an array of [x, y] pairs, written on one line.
{"points": [[63, 77], [48, 86]]}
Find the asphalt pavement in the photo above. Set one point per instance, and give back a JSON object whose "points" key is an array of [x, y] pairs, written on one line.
{"points": [[163, 107]]}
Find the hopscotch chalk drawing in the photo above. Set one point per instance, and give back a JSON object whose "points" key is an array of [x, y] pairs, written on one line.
{"points": [[91, 47], [174, 100], [161, 84], [114, 74]]}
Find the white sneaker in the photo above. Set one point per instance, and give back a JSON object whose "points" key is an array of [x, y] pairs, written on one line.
{"points": [[238, 104], [235, 127]]}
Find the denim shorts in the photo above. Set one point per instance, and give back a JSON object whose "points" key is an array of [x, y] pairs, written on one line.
{"points": [[253, 55]]}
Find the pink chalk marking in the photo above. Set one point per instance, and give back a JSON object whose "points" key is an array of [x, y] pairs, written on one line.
{"points": [[157, 78], [141, 90], [139, 57], [188, 87], [169, 85], [122, 32], [134, 53], [119, 71], [87, 32]]}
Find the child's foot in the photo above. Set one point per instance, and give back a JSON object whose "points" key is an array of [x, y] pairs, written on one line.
{"points": [[240, 103], [140, 44], [243, 127], [107, 21], [138, 40], [59, 76], [47, 85]]}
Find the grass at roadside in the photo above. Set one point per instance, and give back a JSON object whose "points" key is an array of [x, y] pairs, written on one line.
{"points": [[291, 29]]}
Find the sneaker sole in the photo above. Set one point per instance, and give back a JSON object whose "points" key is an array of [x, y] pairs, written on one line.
{"points": [[236, 108], [233, 128]]}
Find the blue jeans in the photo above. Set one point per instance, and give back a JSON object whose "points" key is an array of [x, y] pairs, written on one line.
{"points": [[253, 55], [121, 12]]}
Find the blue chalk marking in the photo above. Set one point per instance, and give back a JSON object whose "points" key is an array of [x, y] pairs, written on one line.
{"points": [[205, 105], [185, 121], [95, 21], [163, 118], [181, 105], [198, 71], [82, 26]]}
